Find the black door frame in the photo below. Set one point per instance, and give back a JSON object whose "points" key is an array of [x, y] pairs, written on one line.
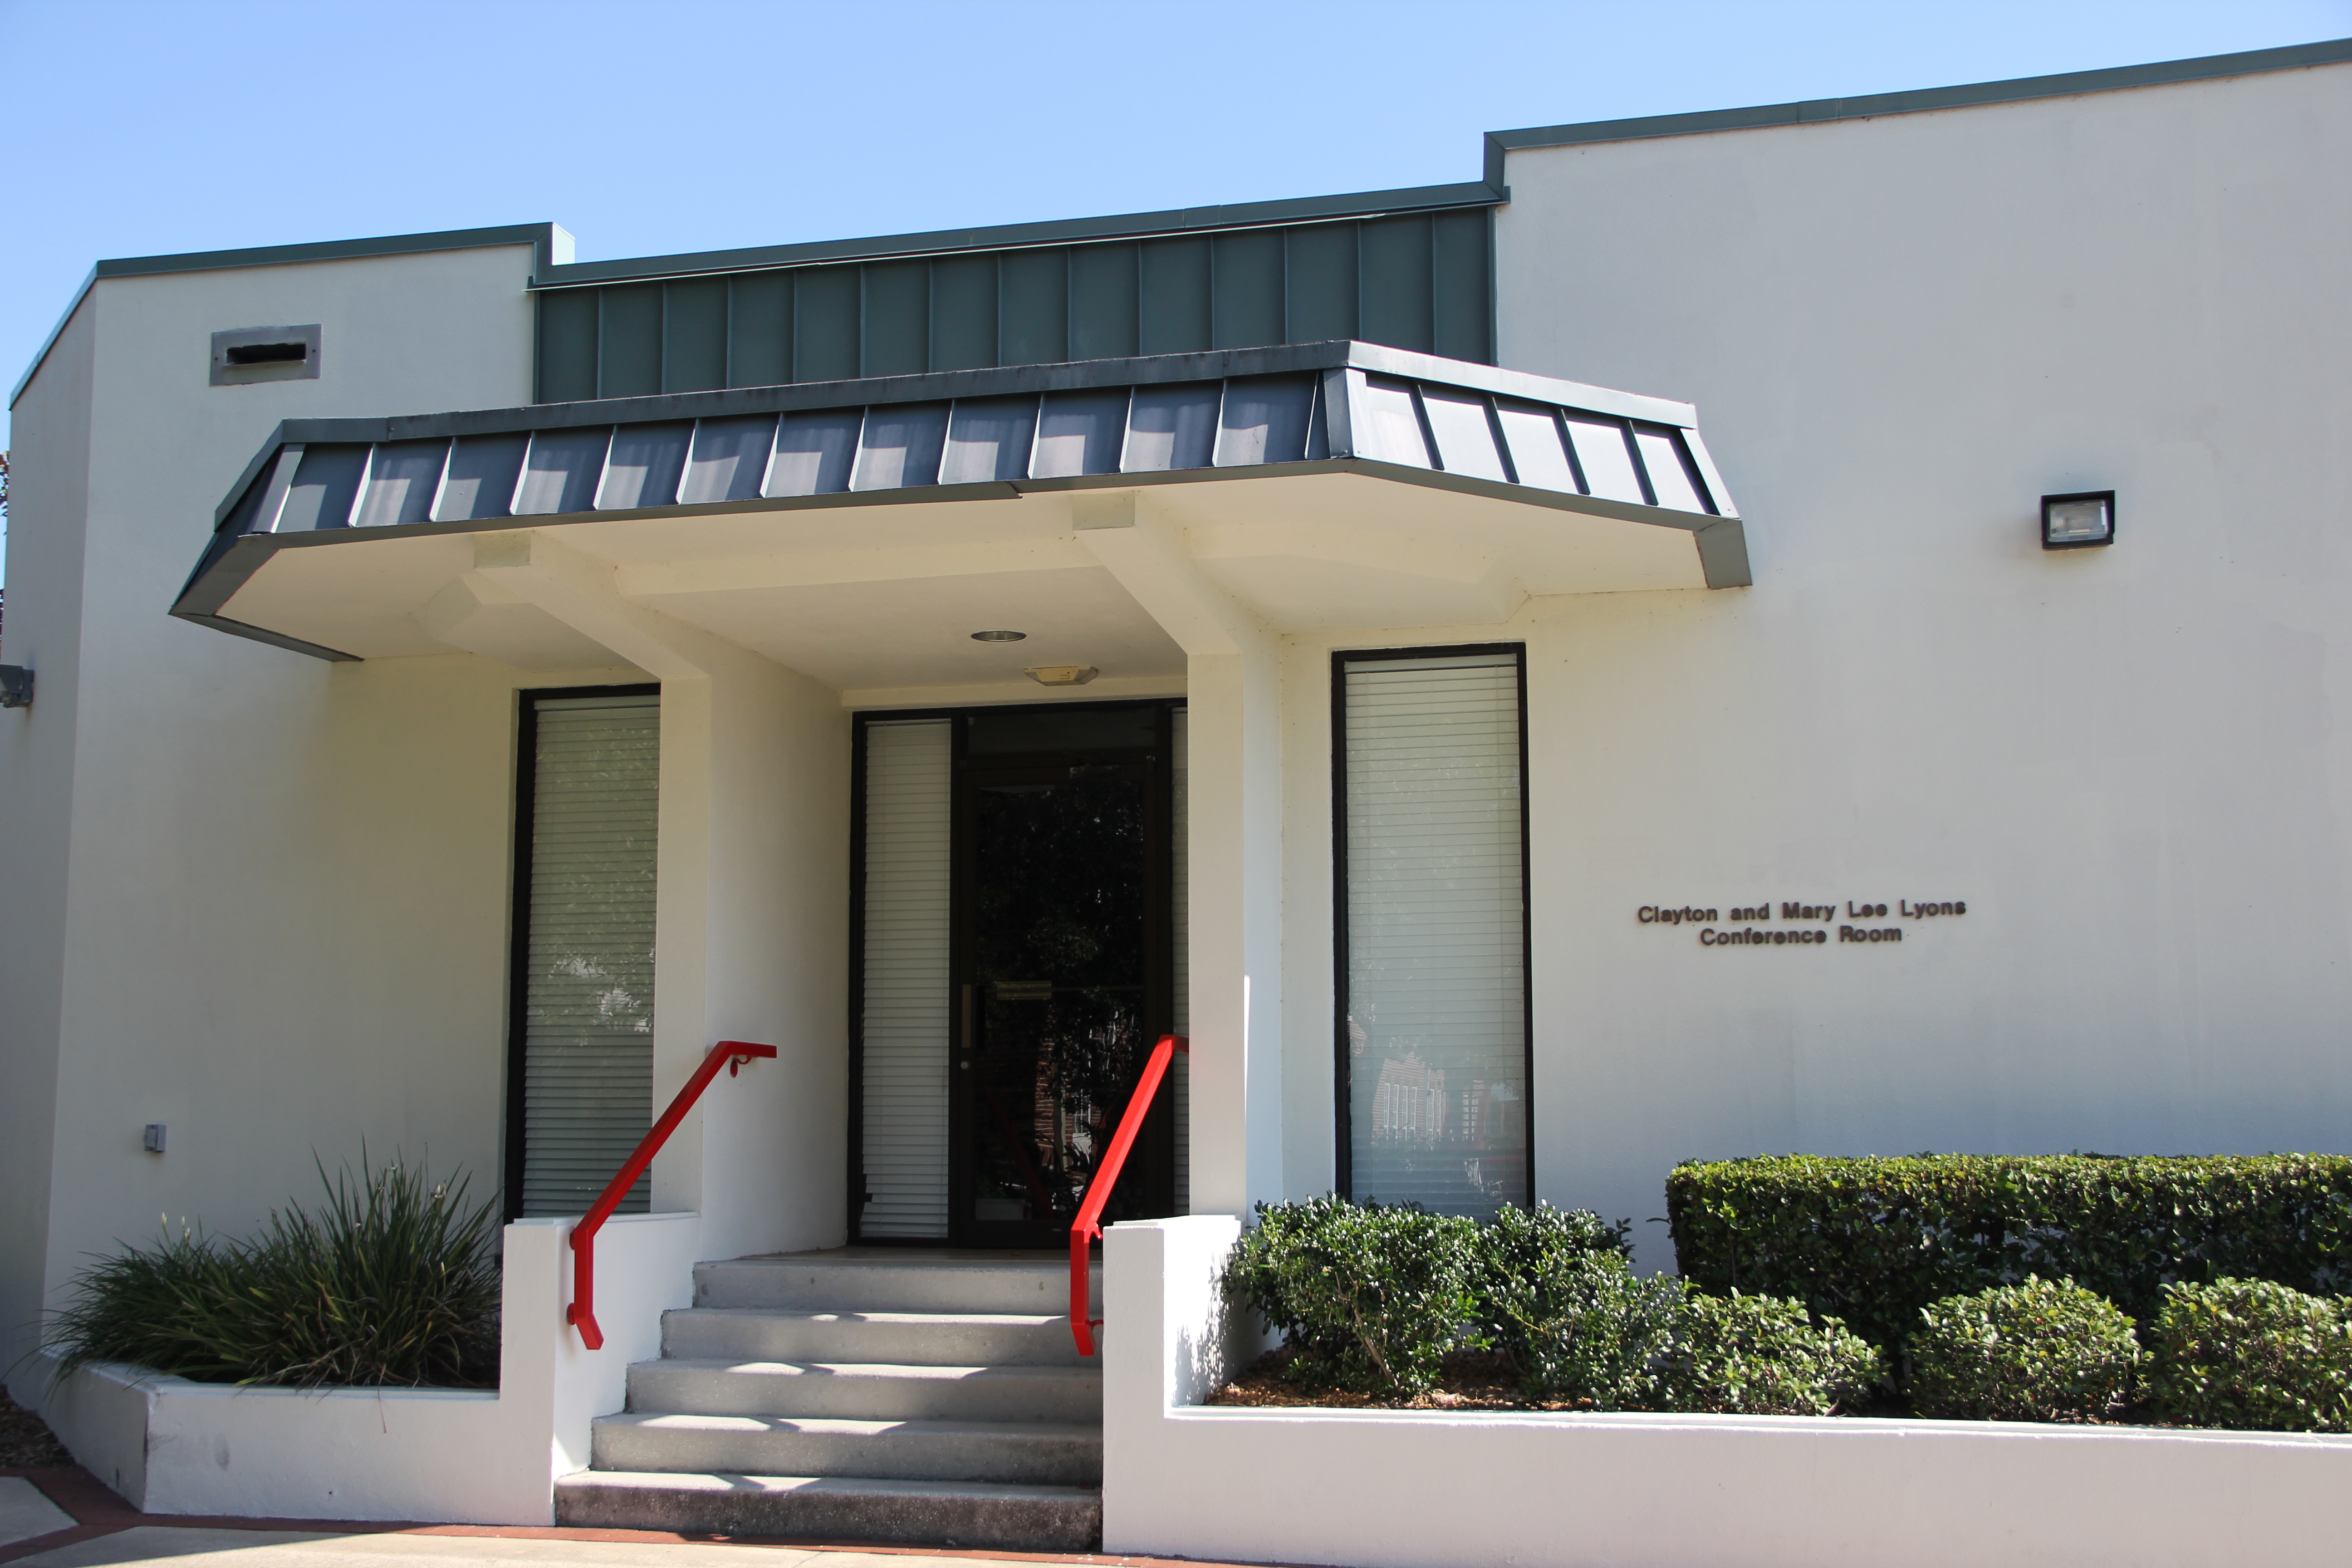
{"points": [[1150, 1170]]}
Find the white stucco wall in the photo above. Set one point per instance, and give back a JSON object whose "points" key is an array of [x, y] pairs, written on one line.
{"points": [[466, 1455], [1430, 1488], [37, 744], [2130, 762], [274, 916]]}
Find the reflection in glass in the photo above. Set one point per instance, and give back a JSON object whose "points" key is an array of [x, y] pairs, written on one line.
{"points": [[1058, 983]]}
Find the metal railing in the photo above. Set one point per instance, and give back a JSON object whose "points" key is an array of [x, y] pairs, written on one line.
{"points": [[582, 1313], [1086, 1228]]}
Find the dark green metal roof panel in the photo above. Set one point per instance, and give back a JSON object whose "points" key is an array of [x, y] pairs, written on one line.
{"points": [[1423, 281]]}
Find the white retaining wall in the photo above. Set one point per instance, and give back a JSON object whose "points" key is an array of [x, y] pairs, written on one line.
{"points": [[1430, 1489], [172, 1447]]}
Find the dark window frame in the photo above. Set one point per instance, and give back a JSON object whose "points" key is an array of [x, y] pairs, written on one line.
{"points": [[513, 1126], [1342, 1148]]}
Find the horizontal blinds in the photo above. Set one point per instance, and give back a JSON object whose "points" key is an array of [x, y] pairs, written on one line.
{"points": [[588, 983], [905, 1025], [1437, 983], [1180, 917]]}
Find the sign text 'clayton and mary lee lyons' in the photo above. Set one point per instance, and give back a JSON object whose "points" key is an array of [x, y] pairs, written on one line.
{"points": [[1811, 921]]}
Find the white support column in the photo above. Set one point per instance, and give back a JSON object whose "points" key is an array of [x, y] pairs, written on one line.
{"points": [[749, 940], [1234, 691]]}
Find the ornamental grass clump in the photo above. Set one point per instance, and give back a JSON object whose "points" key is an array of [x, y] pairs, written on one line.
{"points": [[2254, 1355], [1367, 1298], [391, 1280], [2041, 1351], [1763, 1355]]}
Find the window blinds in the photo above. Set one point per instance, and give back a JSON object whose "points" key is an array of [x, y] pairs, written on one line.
{"points": [[1435, 982], [906, 1019], [588, 979]]}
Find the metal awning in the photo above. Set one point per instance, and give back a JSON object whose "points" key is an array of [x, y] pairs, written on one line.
{"points": [[1583, 454]]}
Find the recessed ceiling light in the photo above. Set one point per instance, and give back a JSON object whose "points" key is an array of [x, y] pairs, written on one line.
{"points": [[998, 637]]}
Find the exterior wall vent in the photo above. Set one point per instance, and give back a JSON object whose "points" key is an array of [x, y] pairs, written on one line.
{"points": [[246, 355]]}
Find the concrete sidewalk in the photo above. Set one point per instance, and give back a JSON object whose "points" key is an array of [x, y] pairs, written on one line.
{"points": [[64, 1519]]}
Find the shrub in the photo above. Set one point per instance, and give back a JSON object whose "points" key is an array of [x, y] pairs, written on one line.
{"points": [[392, 1281], [1873, 1240], [2041, 1351], [1520, 1252], [1370, 1298], [1585, 1329], [1762, 1356], [2252, 1354]]}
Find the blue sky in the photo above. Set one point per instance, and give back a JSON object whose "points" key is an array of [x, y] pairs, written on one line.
{"points": [[142, 127]]}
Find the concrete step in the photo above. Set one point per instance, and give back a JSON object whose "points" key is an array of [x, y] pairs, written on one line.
{"points": [[829, 1282], [867, 1391], [1026, 1453], [902, 1339], [966, 1514]]}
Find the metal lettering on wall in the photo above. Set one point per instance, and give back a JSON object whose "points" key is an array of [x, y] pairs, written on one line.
{"points": [[1812, 924]]}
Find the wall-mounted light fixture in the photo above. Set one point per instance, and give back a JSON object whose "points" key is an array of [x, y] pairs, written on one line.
{"points": [[15, 686], [2073, 522], [1061, 674]]}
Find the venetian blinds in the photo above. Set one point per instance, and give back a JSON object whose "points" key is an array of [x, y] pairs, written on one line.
{"points": [[1435, 977], [904, 1021], [588, 964]]}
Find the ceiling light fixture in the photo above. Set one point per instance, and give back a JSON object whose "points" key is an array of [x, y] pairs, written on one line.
{"points": [[998, 637], [1061, 674]]}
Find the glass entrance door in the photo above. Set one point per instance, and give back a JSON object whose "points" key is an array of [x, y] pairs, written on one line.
{"points": [[1061, 966]]}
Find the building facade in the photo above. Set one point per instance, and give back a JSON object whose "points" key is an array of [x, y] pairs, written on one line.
{"points": [[1536, 679]]}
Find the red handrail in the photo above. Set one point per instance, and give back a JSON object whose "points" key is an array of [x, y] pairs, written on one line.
{"points": [[1086, 1228], [582, 1313]]}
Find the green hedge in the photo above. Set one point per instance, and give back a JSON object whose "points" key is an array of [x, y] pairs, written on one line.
{"points": [[1871, 1241], [1760, 1355], [2254, 1355], [1372, 1298], [2042, 1350]]}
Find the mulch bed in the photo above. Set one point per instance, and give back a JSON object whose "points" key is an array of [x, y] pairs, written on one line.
{"points": [[1469, 1381], [25, 1443], [1481, 1382]]}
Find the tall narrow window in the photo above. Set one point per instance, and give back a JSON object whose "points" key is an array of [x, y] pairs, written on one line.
{"points": [[1179, 902], [1432, 991], [904, 1018], [585, 947]]}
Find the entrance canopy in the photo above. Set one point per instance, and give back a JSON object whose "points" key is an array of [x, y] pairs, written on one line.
{"points": [[836, 527]]}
